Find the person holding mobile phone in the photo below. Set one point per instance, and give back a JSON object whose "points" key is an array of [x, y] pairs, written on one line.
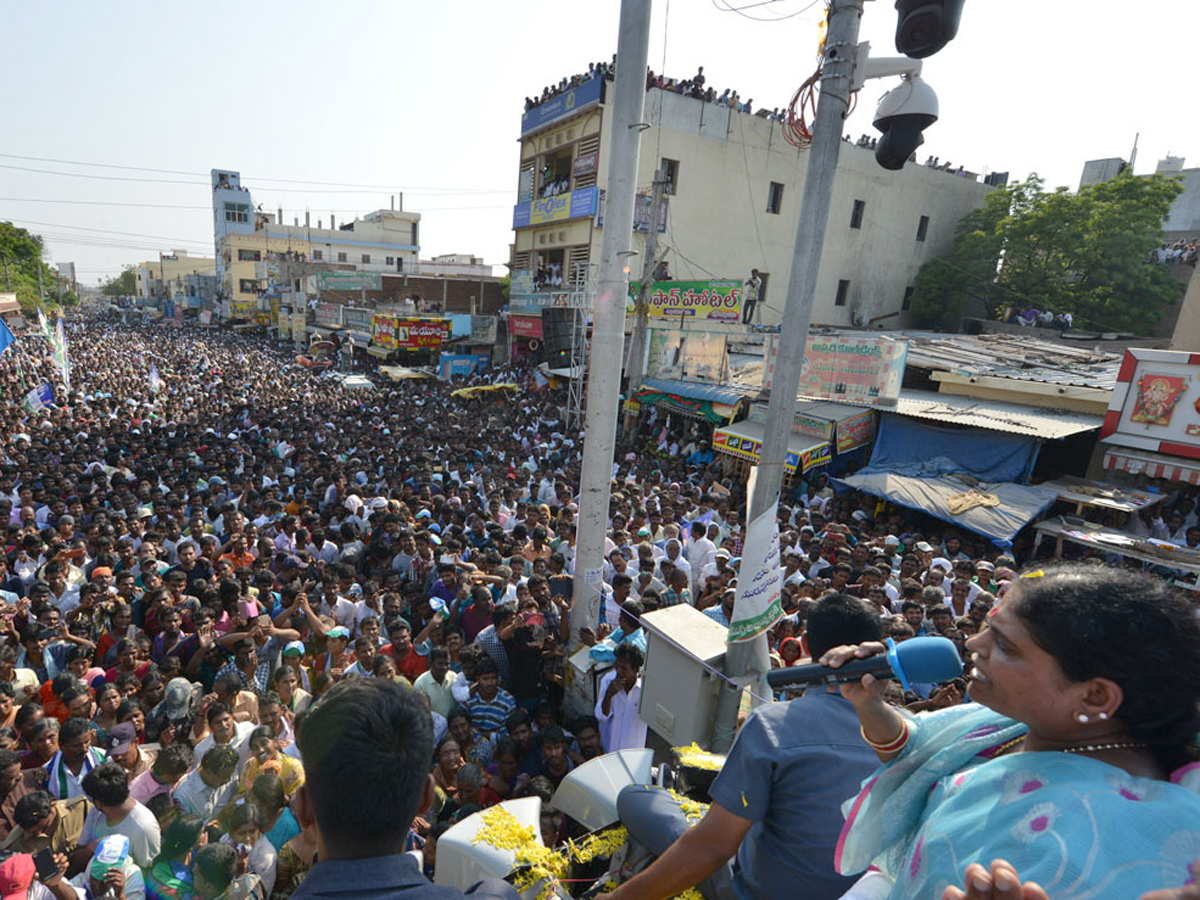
{"points": [[46, 824]]}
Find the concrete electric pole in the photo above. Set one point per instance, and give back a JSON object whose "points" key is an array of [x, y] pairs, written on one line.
{"points": [[608, 324], [641, 326], [747, 661]]}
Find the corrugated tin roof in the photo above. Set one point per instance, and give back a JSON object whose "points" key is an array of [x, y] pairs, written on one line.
{"points": [[728, 394], [830, 412], [1019, 357], [992, 415]]}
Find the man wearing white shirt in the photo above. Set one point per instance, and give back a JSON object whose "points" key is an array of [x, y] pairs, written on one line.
{"points": [[700, 552], [546, 492], [342, 610], [61, 591], [792, 560], [620, 692], [674, 555], [322, 549], [223, 731], [210, 788]]}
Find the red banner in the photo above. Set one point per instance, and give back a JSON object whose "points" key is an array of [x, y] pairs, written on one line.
{"points": [[395, 333], [525, 326], [421, 334]]}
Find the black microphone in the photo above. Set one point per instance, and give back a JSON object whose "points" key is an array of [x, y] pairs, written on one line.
{"points": [[925, 660]]}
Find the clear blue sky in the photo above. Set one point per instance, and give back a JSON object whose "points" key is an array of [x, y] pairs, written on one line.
{"points": [[427, 97]]}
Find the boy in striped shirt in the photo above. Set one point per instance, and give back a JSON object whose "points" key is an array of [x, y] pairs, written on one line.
{"points": [[489, 704]]}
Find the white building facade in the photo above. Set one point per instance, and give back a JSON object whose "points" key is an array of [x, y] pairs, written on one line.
{"points": [[733, 205]]}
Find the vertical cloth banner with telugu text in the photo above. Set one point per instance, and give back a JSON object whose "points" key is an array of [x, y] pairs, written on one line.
{"points": [[760, 583]]}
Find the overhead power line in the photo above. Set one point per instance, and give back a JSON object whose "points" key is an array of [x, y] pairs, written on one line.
{"points": [[206, 182], [105, 231], [318, 209]]}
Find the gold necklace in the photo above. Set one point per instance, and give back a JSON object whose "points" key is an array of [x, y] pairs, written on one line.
{"points": [[1115, 745], [1082, 748]]}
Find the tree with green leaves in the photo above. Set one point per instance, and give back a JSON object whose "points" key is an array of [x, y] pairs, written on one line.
{"points": [[118, 285], [1085, 253], [21, 256]]}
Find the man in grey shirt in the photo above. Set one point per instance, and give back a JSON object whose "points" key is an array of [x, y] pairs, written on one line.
{"points": [[777, 800]]}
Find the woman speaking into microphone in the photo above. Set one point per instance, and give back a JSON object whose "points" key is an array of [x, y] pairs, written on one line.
{"points": [[1076, 760]]}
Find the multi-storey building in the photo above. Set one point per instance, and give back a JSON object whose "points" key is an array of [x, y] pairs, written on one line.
{"points": [[734, 187], [383, 241]]}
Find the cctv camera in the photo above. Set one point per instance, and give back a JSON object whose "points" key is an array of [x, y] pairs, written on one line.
{"points": [[903, 113], [926, 26]]}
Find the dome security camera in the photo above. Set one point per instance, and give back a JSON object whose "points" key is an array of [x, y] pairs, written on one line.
{"points": [[902, 115]]}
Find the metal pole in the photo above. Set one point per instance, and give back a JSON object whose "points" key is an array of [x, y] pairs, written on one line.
{"points": [[608, 328], [637, 346], [7, 284], [748, 659]]}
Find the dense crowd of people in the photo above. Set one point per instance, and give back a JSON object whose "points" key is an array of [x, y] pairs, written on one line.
{"points": [[695, 87], [594, 70], [193, 564]]}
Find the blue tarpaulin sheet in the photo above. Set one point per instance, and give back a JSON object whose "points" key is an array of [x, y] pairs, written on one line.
{"points": [[919, 450]]}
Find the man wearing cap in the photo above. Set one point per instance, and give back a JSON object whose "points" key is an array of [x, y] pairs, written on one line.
{"points": [[18, 877], [924, 551], [714, 569], [120, 743], [336, 658], [984, 576], [109, 872]]}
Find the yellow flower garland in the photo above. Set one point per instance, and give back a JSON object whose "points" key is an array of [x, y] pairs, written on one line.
{"points": [[504, 831], [696, 758]]}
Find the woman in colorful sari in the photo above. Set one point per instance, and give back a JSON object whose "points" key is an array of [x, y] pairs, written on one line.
{"points": [[1073, 761], [170, 877]]}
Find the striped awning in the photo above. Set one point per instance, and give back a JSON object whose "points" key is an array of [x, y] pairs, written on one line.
{"points": [[1153, 465]]}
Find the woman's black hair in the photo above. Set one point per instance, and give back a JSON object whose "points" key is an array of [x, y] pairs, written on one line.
{"points": [[1132, 629], [127, 708], [267, 793], [446, 739], [262, 731], [180, 837], [243, 814]]}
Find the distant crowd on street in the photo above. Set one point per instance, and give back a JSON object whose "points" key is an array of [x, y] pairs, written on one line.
{"points": [[1184, 250]]}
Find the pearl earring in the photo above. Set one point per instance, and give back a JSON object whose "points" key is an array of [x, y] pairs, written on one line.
{"points": [[1103, 716], [1083, 718]]}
